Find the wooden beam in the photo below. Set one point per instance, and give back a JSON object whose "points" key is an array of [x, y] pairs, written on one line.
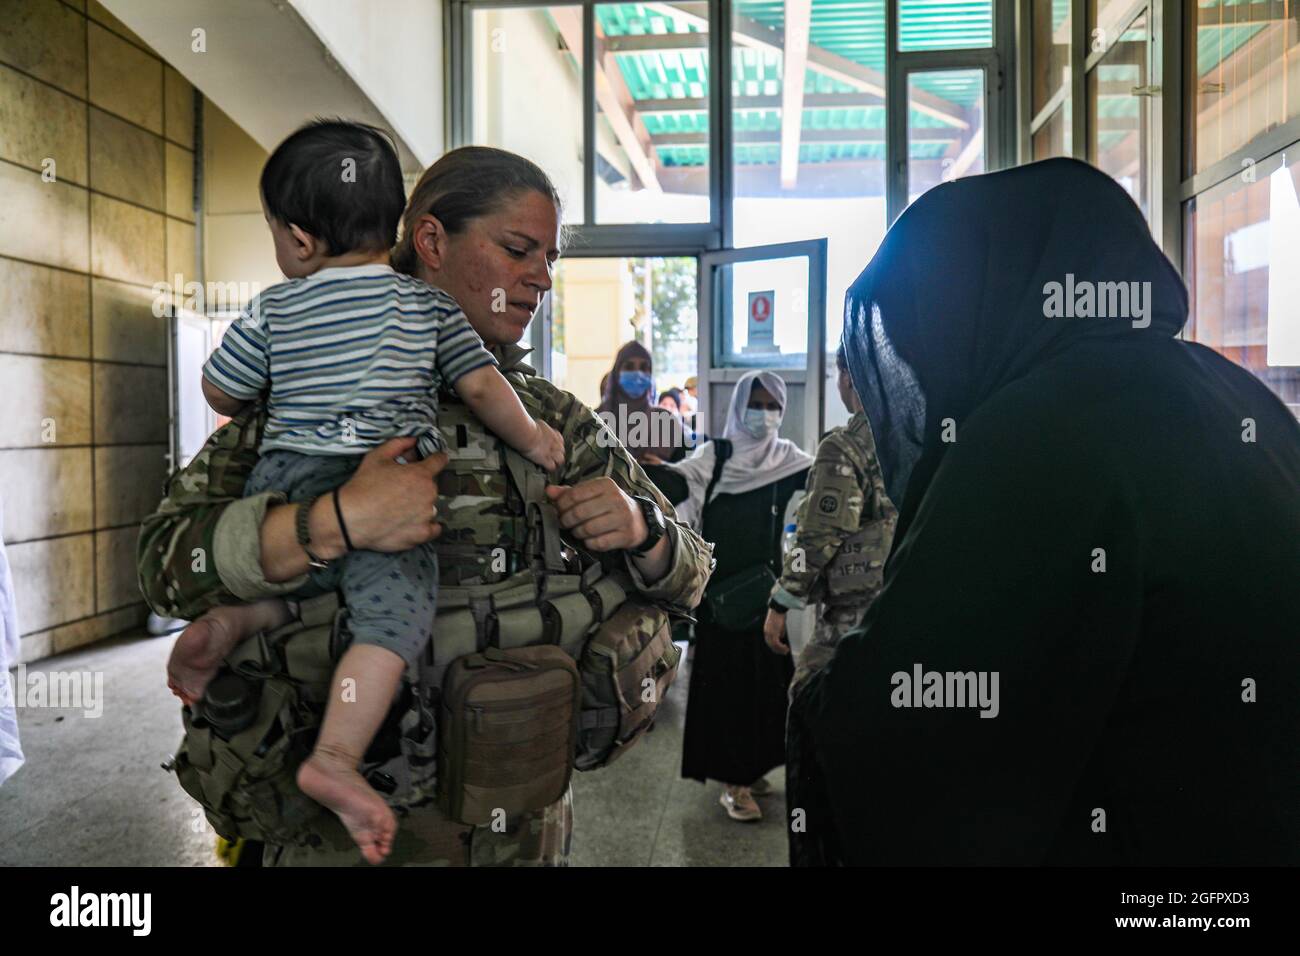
{"points": [[972, 151], [698, 104], [657, 42], [750, 33], [928, 134], [613, 98]]}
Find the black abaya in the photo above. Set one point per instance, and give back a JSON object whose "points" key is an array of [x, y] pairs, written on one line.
{"points": [[735, 712], [1114, 532]]}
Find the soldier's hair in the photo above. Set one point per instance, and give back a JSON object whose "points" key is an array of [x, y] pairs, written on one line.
{"points": [[350, 206], [841, 359], [466, 184]]}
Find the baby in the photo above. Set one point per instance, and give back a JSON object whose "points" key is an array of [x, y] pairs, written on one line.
{"points": [[353, 354]]}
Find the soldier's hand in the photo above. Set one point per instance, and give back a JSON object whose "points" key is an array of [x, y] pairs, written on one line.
{"points": [[599, 514], [774, 632], [391, 506]]}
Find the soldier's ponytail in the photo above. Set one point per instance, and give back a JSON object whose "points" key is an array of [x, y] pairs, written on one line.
{"points": [[464, 184]]}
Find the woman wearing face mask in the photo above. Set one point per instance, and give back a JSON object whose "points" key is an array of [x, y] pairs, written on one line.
{"points": [[652, 434], [735, 715]]}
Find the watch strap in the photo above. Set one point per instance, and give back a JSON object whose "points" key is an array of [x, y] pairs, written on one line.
{"points": [[656, 528], [303, 530]]}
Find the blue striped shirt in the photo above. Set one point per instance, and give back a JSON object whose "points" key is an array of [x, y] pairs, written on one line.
{"points": [[353, 356]]}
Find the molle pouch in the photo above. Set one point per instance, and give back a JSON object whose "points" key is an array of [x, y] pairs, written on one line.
{"points": [[627, 667], [255, 725], [507, 732]]}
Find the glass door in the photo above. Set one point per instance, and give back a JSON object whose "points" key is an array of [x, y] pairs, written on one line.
{"points": [[765, 307]]}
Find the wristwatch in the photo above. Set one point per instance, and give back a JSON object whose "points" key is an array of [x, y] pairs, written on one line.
{"points": [[654, 521], [304, 534]]}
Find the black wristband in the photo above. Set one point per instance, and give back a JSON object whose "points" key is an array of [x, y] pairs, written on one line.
{"points": [[338, 513]]}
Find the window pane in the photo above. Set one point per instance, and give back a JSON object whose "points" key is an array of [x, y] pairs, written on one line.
{"points": [[764, 309], [1050, 26], [530, 48], [1242, 239], [599, 304], [1104, 20], [830, 180], [944, 24], [652, 113], [945, 127], [1247, 77], [1053, 137], [1117, 120]]}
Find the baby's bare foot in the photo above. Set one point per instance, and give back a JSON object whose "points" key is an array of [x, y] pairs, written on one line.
{"points": [[342, 789], [201, 647]]}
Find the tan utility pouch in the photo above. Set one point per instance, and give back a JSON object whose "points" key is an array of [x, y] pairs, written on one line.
{"points": [[508, 726], [627, 667]]}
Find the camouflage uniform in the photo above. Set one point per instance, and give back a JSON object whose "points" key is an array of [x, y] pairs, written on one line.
{"points": [[201, 548], [845, 497]]}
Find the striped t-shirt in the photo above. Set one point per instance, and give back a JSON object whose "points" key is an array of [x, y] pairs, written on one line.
{"points": [[353, 356]]}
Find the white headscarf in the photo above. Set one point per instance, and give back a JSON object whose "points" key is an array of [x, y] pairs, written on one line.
{"points": [[754, 462], [11, 752]]}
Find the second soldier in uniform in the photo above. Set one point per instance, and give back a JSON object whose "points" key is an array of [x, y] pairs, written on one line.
{"points": [[845, 527]]}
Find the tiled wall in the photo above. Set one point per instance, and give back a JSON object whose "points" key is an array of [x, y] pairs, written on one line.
{"points": [[83, 360]]}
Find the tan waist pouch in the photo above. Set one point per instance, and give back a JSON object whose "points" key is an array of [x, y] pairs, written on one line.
{"points": [[507, 733]]}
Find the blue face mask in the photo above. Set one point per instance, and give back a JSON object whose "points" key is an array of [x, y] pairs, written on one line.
{"points": [[635, 384]]}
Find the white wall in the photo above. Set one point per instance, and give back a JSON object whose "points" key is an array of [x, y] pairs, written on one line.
{"points": [[393, 52]]}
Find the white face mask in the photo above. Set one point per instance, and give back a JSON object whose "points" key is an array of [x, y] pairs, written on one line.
{"points": [[761, 422]]}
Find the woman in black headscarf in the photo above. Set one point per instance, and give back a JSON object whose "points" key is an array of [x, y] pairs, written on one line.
{"points": [[1099, 523]]}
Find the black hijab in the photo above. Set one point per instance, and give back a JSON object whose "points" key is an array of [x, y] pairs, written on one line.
{"points": [[952, 308], [1101, 518]]}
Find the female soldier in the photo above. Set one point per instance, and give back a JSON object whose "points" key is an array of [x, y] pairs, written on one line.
{"points": [[482, 225]]}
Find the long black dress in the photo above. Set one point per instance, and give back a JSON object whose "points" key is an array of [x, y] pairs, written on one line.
{"points": [[735, 712], [1114, 536]]}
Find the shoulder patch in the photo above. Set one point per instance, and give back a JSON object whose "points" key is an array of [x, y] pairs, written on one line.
{"points": [[828, 504]]}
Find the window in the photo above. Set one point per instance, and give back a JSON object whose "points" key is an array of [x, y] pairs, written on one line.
{"points": [[599, 304], [1242, 237], [1245, 74], [528, 49], [1117, 113], [944, 25], [945, 127], [1054, 135], [652, 113], [1050, 29], [809, 145]]}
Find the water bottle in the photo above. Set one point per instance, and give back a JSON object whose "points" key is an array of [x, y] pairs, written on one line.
{"points": [[787, 539]]}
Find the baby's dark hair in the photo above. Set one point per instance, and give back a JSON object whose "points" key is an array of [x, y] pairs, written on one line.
{"points": [[339, 181]]}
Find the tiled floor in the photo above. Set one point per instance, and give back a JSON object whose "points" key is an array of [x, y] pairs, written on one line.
{"points": [[92, 791]]}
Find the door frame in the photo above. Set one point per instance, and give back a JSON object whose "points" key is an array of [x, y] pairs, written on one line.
{"points": [[812, 376]]}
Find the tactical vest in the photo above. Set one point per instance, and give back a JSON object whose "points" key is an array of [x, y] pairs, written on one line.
{"points": [[857, 570], [507, 581]]}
